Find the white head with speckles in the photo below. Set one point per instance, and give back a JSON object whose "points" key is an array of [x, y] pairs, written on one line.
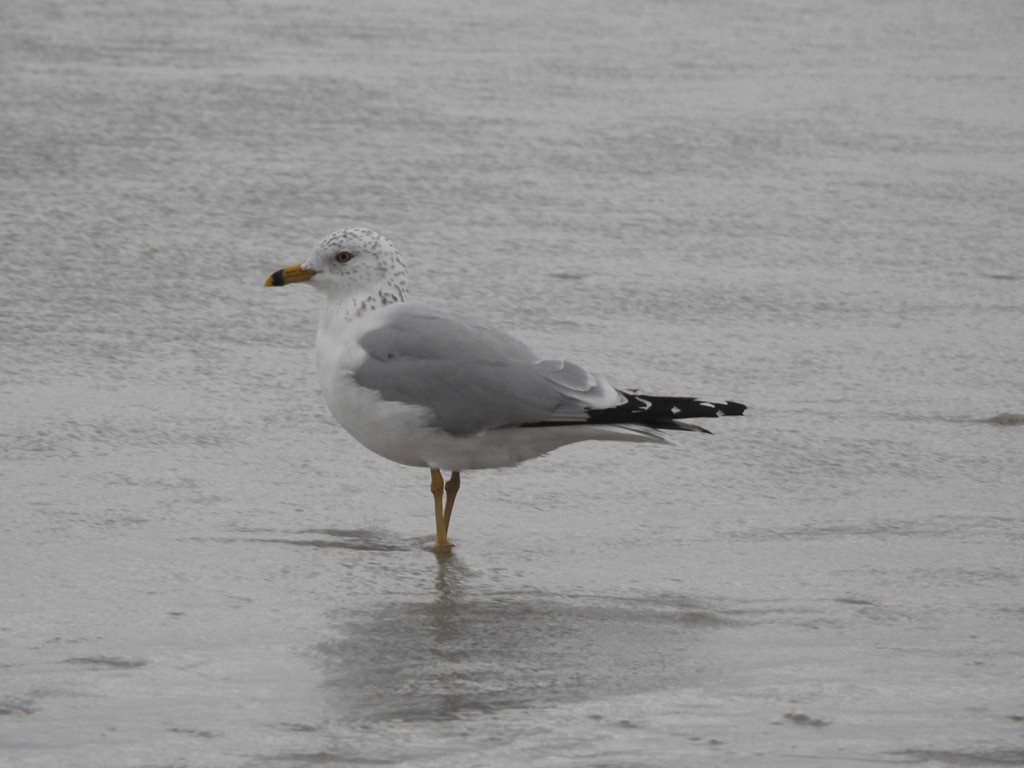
{"points": [[356, 268]]}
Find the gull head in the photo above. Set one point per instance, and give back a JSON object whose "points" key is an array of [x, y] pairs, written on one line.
{"points": [[354, 264]]}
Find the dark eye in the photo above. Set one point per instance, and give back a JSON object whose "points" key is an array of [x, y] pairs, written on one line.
{"points": [[344, 256]]}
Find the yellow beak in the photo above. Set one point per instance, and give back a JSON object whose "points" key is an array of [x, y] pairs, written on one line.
{"points": [[293, 274]]}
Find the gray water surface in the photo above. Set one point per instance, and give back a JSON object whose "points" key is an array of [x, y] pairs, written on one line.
{"points": [[815, 209]]}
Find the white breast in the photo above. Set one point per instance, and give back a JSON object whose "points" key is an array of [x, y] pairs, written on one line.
{"points": [[382, 426]]}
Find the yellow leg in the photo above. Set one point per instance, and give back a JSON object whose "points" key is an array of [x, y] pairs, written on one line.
{"points": [[441, 543], [450, 488]]}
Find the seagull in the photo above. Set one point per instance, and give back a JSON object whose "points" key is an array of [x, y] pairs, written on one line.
{"points": [[426, 389]]}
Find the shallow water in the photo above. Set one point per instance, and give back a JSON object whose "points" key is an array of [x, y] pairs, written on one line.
{"points": [[815, 210]]}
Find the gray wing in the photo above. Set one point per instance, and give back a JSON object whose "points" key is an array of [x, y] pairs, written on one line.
{"points": [[473, 378]]}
